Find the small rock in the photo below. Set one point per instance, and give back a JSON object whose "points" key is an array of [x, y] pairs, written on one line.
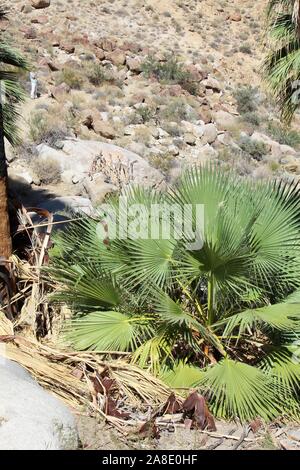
{"points": [[30, 33], [134, 64], [104, 129], [225, 121], [40, 3], [189, 138], [212, 83], [67, 47], [235, 17], [116, 57], [98, 188], [210, 134]]}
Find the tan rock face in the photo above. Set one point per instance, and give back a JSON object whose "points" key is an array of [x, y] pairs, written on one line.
{"points": [[40, 3], [116, 57], [104, 129]]}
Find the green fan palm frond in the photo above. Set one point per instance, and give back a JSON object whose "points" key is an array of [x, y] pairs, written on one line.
{"points": [[283, 367], [181, 375], [12, 94], [238, 389], [106, 331], [283, 317], [282, 63]]}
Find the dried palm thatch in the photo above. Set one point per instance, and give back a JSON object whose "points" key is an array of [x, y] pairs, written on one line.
{"points": [[69, 375]]}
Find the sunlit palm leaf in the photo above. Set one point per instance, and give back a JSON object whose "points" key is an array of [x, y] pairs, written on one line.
{"points": [[238, 389]]}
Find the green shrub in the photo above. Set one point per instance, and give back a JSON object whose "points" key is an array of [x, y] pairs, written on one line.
{"points": [[178, 110], [145, 112], [255, 148], [252, 118], [162, 161], [283, 134], [247, 99], [170, 71], [97, 74], [71, 77]]}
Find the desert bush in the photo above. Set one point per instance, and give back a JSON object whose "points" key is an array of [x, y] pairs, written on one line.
{"points": [[256, 148], [170, 71], [283, 134], [145, 112], [221, 315], [162, 161], [45, 128], [48, 171], [71, 77], [247, 99], [97, 75], [252, 118], [178, 110]]}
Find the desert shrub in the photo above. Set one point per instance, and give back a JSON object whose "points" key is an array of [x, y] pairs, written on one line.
{"points": [[145, 112], [71, 77], [172, 129], [48, 171], [256, 148], [170, 71], [43, 128], [97, 74], [247, 99], [252, 118], [245, 49], [283, 134], [162, 161], [178, 110]]}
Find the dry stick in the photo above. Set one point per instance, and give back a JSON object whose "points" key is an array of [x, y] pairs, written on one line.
{"points": [[226, 436]]}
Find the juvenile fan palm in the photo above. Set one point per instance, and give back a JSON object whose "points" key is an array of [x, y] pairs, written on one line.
{"points": [[11, 95], [217, 317], [282, 64]]}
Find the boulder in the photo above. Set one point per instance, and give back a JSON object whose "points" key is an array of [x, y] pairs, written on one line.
{"points": [[40, 3], [104, 129], [210, 133], [116, 57], [134, 64], [31, 418], [119, 165], [212, 83], [98, 188], [225, 121]]}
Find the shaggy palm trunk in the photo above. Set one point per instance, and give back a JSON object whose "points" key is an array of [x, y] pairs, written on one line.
{"points": [[5, 237]]}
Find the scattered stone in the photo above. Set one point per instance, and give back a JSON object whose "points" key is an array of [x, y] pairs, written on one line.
{"points": [[104, 129], [235, 17], [210, 134], [189, 138], [98, 188], [40, 3], [67, 47], [225, 121], [134, 64], [212, 83], [30, 33], [116, 57]]}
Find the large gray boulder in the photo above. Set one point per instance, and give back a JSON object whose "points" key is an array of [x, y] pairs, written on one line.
{"points": [[31, 418], [120, 166]]}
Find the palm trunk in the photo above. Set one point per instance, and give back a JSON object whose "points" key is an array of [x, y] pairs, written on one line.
{"points": [[5, 236]]}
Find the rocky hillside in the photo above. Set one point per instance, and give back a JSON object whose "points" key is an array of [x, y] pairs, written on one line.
{"points": [[137, 90]]}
